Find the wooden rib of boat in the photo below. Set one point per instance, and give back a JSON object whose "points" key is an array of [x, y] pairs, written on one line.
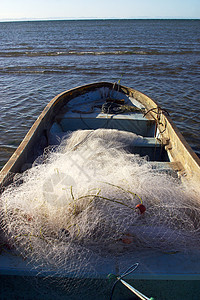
{"points": [[108, 105], [151, 121]]}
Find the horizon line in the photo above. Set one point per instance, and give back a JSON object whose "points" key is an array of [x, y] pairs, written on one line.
{"points": [[94, 18]]}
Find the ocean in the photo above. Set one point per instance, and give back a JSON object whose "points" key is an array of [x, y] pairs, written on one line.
{"points": [[40, 59]]}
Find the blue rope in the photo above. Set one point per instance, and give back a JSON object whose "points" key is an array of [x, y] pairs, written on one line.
{"points": [[127, 272]]}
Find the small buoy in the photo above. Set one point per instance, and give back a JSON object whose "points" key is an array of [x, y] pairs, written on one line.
{"points": [[141, 208], [126, 241]]}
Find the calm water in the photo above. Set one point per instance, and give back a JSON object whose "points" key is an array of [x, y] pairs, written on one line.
{"points": [[41, 59]]}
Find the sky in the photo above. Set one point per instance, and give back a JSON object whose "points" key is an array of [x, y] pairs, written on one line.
{"points": [[100, 9]]}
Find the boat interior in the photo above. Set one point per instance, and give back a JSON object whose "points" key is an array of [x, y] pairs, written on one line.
{"points": [[111, 109]]}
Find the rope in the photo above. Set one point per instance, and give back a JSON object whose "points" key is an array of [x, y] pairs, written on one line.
{"points": [[126, 273], [160, 110], [116, 108]]}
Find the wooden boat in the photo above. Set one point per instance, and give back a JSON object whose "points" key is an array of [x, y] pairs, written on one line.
{"points": [[113, 106], [151, 121]]}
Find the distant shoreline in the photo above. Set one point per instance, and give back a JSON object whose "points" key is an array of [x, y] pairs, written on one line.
{"points": [[95, 19]]}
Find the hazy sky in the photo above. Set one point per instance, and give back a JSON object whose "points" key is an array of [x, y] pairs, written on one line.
{"points": [[66, 9]]}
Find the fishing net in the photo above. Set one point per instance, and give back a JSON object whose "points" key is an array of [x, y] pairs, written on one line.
{"points": [[75, 211]]}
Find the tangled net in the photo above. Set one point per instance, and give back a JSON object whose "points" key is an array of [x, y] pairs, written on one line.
{"points": [[76, 206]]}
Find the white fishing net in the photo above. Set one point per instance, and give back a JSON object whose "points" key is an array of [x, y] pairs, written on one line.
{"points": [[76, 207]]}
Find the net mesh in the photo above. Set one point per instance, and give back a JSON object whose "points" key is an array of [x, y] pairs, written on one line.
{"points": [[75, 208]]}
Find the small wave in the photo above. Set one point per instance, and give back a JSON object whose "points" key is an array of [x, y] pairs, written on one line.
{"points": [[114, 52], [8, 148], [156, 69]]}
